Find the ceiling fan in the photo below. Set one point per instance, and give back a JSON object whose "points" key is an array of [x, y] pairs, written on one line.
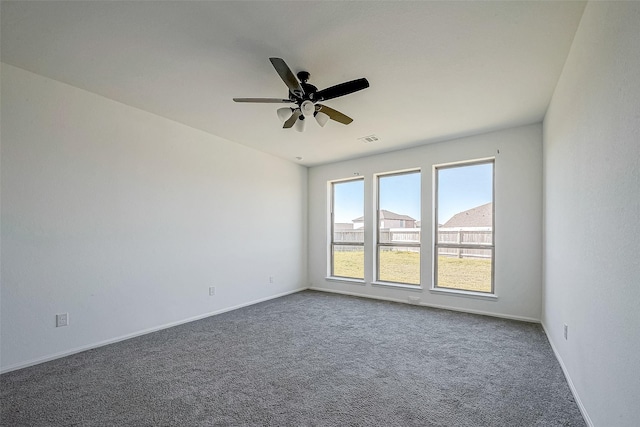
{"points": [[307, 98]]}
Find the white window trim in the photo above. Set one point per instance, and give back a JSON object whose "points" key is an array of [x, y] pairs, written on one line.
{"points": [[417, 288], [341, 279], [462, 293]]}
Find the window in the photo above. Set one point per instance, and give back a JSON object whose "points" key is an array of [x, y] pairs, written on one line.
{"points": [[464, 243], [347, 229], [398, 228]]}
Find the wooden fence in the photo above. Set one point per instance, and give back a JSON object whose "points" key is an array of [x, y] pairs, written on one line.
{"points": [[466, 237], [412, 235]]}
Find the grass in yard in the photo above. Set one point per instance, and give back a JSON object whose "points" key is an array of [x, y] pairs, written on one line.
{"points": [[469, 274], [400, 266], [349, 264], [404, 267]]}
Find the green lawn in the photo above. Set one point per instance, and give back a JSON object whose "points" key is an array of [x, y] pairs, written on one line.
{"points": [[460, 273], [471, 274], [349, 264], [397, 266]]}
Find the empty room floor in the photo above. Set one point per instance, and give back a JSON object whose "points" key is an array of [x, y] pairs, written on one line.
{"points": [[309, 358]]}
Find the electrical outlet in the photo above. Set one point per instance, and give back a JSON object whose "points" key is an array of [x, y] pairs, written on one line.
{"points": [[62, 320], [566, 332], [212, 291], [271, 279]]}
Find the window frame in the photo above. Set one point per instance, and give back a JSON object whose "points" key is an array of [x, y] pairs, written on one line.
{"points": [[437, 245], [332, 242], [379, 245]]}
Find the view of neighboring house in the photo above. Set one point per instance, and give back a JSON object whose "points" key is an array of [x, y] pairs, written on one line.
{"points": [[473, 226], [479, 218], [393, 228], [389, 219]]}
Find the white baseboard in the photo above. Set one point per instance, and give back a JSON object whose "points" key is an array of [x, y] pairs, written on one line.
{"points": [[572, 387], [423, 304], [138, 333]]}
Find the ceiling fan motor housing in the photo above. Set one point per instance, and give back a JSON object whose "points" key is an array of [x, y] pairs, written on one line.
{"points": [[307, 108]]}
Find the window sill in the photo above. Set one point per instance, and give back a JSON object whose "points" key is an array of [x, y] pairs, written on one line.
{"points": [[345, 280], [399, 285], [460, 293]]}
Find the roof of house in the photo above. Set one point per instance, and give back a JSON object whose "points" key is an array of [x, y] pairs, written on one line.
{"points": [[480, 216], [384, 214]]}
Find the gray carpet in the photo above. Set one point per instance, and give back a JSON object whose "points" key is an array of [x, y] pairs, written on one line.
{"points": [[307, 359]]}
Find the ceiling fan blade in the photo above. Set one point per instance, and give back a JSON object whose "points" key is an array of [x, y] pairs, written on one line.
{"points": [[287, 76], [292, 120], [263, 100], [334, 114], [341, 89]]}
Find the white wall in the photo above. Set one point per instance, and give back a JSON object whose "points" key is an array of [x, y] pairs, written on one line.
{"points": [[518, 219], [124, 219], [592, 190]]}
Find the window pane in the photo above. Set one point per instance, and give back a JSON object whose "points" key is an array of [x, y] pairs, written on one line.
{"points": [[399, 225], [348, 211], [347, 227], [399, 264], [465, 196], [465, 217], [465, 269], [398, 203], [348, 261]]}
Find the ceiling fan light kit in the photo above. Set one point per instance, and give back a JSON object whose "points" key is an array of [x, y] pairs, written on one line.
{"points": [[322, 118], [284, 113], [300, 124], [307, 96]]}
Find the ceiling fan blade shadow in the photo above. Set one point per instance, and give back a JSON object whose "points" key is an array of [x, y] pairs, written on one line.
{"points": [[264, 100], [334, 114], [287, 76], [341, 89]]}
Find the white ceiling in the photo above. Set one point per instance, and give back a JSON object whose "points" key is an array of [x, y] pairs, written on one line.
{"points": [[437, 70]]}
